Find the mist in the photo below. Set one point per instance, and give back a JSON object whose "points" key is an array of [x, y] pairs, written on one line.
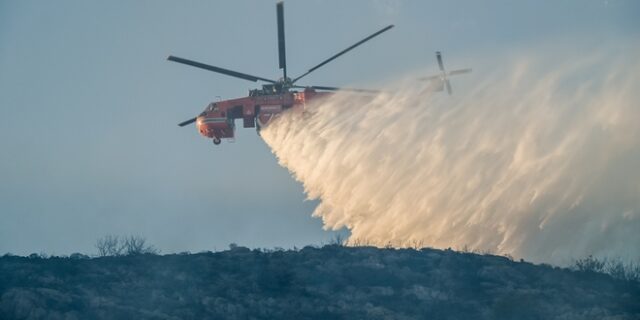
{"points": [[538, 158]]}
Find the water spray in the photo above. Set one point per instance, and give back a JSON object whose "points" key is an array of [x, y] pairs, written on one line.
{"points": [[538, 160]]}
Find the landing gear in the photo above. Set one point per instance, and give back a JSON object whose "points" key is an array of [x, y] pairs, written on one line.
{"points": [[216, 141]]}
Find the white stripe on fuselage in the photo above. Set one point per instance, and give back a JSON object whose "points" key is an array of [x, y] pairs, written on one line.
{"points": [[214, 120]]}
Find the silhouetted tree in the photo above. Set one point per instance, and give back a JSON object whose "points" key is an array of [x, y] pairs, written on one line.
{"points": [[109, 245], [134, 245]]}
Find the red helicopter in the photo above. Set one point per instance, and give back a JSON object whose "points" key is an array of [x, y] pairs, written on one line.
{"points": [[217, 121]]}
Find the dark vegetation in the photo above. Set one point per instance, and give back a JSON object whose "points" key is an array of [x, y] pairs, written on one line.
{"points": [[331, 282], [115, 246]]}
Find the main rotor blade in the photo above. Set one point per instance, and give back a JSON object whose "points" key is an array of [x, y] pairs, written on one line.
{"points": [[281, 47], [188, 122], [343, 52], [448, 86], [338, 89], [439, 57], [218, 70]]}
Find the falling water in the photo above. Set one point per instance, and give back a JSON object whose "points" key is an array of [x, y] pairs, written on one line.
{"points": [[538, 159]]}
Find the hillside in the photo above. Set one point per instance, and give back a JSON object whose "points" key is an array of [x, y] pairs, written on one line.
{"points": [[331, 282]]}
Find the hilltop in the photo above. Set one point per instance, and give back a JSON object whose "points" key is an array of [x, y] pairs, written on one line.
{"points": [[331, 282]]}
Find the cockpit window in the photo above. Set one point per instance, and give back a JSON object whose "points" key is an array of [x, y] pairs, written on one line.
{"points": [[212, 107]]}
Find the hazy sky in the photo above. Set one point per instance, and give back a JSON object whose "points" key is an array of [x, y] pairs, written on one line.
{"points": [[89, 144]]}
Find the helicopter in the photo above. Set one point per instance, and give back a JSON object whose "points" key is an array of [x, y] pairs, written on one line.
{"points": [[263, 105], [440, 81]]}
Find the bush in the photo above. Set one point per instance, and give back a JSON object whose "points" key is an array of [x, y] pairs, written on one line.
{"points": [[613, 267], [78, 256], [589, 264]]}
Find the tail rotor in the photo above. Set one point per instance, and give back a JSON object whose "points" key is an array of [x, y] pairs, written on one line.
{"points": [[441, 81]]}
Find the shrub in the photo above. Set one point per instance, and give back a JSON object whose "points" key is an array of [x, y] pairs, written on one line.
{"points": [[589, 264]]}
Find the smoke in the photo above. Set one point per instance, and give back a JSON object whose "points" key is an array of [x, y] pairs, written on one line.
{"points": [[540, 160]]}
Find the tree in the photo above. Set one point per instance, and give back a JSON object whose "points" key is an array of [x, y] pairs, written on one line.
{"points": [[109, 245], [134, 245], [114, 246]]}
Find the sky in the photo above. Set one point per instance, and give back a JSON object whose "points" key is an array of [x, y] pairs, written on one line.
{"points": [[89, 144]]}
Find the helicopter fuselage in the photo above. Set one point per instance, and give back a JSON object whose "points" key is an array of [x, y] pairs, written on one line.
{"points": [[257, 110]]}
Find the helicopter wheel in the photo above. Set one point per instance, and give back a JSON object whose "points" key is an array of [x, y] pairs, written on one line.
{"points": [[216, 141]]}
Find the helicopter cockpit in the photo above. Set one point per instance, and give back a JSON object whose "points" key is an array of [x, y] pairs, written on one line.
{"points": [[211, 107]]}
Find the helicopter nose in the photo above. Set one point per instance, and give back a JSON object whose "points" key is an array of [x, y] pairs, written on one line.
{"points": [[201, 126]]}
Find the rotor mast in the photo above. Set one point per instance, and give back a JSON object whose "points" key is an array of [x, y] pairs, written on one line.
{"points": [[281, 44]]}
